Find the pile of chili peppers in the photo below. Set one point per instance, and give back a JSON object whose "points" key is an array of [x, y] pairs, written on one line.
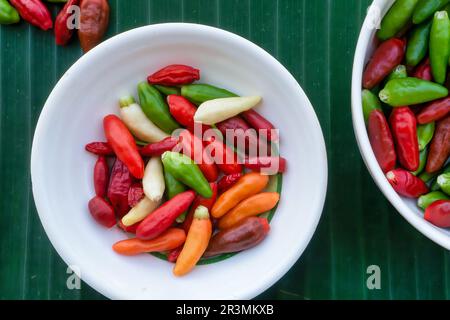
{"points": [[406, 104], [91, 22], [178, 190]]}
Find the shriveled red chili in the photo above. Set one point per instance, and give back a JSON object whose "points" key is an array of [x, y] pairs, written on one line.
{"points": [[175, 74], [135, 194], [158, 148], [226, 182], [100, 148], [119, 185]]}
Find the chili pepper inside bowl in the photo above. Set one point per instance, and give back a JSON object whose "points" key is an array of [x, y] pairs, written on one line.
{"points": [[398, 140], [61, 169]]}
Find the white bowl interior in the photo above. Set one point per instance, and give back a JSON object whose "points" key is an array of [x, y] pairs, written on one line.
{"points": [[407, 207], [72, 117]]}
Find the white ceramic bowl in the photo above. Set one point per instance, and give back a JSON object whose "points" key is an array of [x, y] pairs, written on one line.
{"points": [[72, 116], [407, 207]]}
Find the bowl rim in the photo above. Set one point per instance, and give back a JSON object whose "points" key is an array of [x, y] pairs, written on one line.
{"points": [[42, 123], [433, 233]]}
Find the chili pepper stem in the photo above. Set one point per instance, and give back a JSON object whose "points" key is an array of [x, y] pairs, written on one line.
{"points": [[201, 213]]}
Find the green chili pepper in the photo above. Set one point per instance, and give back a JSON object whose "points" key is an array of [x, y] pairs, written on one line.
{"points": [[370, 102], [409, 91], [427, 199], [425, 133], [399, 72], [155, 108], [185, 170], [435, 185], [439, 46], [167, 91], [422, 163], [396, 18], [174, 187], [425, 9], [444, 182], [8, 14], [199, 93], [418, 44]]}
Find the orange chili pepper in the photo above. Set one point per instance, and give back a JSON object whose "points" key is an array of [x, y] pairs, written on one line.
{"points": [[197, 241], [247, 186], [169, 240], [252, 206]]}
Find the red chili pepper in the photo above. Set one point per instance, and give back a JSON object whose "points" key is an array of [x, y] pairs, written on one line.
{"points": [[100, 148], [35, 12], [101, 177], [277, 164], [163, 217], [200, 201], [182, 110], [242, 236], [226, 182], [438, 213], [434, 111], [404, 130], [385, 58], [259, 123], [225, 158], [129, 229], [406, 184], [174, 74], [102, 212], [123, 144], [135, 194], [423, 71], [119, 185], [173, 255], [381, 140], [158, 148], [241, 132], [62, 32], [439, 147], [193, 148]]}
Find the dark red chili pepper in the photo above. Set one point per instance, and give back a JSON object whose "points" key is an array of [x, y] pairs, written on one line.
{"points": [[242, 236], [240, 132], [260, 124], [100, 148], [225, 158], [173, 255], [438, 213], [123, 144], [193, 148], [119, 185], [386, 57], [226, 182], [423, 71], [135, 194], [440, 146], [406, 184], [35, 12], [276, 164], [381, 140], [200, 201], [94, 20], [102, 212], [434, 111], [174, 75], [182, 110], [62, 32], [101, 177], [129, 229], [158, 148], [404, 130], [163, 217]]}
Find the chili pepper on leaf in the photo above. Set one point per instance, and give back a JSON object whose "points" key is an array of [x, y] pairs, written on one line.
{"points": [[196, 242], [396, 18], [406, 184], [381, 140], [173, 75], [242, 236], [438, 213], [62, 31], [35, 12], [94, 20], [8, 15], [102, 212], [123, 144], [164, 216]]}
